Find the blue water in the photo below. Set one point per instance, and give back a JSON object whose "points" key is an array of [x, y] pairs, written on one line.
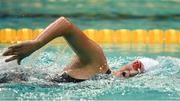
{"points": [[104, 14], [163, 83]]}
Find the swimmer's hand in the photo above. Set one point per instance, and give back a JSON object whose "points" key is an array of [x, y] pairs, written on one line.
{"points": [[21, 50]]}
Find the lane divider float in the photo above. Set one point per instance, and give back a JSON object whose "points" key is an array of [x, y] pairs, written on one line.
{"points": [[120, 36]]}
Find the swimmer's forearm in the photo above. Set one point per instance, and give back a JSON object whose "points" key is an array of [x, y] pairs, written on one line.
{"points": [[55, 29]]}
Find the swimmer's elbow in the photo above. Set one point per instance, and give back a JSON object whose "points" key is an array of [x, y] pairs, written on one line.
{"points": [[62, 18], [65, 21], [63, 24]]}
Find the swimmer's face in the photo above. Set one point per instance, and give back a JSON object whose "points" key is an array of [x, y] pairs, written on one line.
{"points": [[129, 70]]}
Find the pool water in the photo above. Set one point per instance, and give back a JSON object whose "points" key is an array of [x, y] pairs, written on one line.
{"points": [[163, 83], [95, 14]]}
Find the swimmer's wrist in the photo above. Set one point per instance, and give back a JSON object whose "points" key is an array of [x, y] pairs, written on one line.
{"points": [[38, 44]]}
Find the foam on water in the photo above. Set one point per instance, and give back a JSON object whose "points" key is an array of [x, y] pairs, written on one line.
{"points": [[160, 83]]}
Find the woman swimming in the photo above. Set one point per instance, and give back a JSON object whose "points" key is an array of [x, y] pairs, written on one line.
{"points": [[89, 60]]}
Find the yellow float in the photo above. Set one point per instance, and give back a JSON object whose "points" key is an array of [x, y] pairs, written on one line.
{"points": [[121, 36], [171, 36], [24, 34], [139, 36], [8, 35], [155, 36]]}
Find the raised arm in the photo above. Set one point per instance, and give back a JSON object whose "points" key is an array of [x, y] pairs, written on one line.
{"points": [[86, 49], [58, 28]]}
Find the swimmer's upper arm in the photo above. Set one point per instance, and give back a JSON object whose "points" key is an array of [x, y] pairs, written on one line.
{"points": [[86, 49]]}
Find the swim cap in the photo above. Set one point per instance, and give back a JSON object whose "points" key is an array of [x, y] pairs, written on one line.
{"points": [[148, 63]]}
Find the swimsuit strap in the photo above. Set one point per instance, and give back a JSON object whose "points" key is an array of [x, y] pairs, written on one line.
{"points": [[65, 78]]}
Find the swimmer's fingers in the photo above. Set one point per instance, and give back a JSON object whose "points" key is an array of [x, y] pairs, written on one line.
{"points": [[11, 52], [15, 46], [11, 58], [8, 52], [19, 60], [14, 58]]}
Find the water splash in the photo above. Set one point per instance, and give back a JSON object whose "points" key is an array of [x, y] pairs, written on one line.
{"points": [[160, 83]]}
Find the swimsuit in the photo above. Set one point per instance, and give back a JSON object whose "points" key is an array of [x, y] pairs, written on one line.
{"points": [[65, 78]]}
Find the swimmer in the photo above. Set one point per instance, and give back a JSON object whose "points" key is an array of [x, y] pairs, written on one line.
{"points": [[89, 60]]}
